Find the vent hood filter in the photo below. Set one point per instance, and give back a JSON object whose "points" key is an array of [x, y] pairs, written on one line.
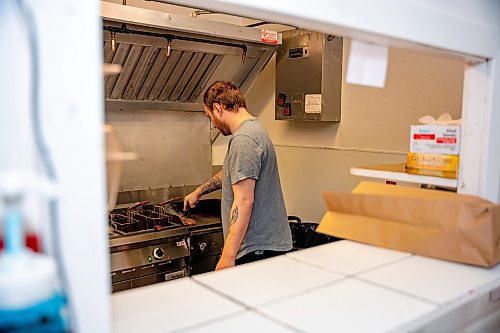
{"points": [[149, 75], [151, 80]]}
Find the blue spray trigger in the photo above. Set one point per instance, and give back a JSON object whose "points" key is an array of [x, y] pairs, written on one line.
{"points": [[13, 232]]}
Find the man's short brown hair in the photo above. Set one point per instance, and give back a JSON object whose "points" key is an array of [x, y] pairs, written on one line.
{"points": [[226, 94]]}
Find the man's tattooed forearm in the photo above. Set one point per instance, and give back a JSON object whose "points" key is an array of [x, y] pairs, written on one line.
{"points": [[212, 185], [234, 216]]}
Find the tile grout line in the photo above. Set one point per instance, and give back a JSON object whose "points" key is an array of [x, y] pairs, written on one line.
{"points": [[226, 296], [383, 265], [276, 320], [420, 298], [332, 270], [216, 319], [255, 309], [305, 291], [302, 261], [453, 305], [205, 322], [245, 307], [251, 307], [358, 278]]}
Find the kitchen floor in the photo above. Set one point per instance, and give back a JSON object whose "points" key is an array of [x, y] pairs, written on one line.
{"points": [[343, 286]]}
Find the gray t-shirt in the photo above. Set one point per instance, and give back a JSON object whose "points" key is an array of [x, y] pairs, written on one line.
{"points": [[251, 154]]}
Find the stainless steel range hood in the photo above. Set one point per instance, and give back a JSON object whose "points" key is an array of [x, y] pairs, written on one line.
{"points": [[151, 80]]}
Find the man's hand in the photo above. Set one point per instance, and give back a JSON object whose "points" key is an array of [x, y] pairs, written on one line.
{"points": [[192, 199], [224, 263], [215, 183]]}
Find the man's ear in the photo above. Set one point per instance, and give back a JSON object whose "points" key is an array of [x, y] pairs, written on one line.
{"points": [[217, 108]]}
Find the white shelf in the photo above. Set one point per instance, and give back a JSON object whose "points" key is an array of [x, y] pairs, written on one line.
{"points": [[397, 172]]}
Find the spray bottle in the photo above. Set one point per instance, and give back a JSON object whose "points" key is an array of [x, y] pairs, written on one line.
{"points": [[31, 299]]}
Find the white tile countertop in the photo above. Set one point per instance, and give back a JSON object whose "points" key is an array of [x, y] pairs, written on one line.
{"points": [[268, 280], [348, 306], [342, 286], [165, 307], [348, 257]]}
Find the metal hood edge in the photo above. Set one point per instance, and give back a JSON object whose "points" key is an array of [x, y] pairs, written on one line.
{"points": [[164, 73]]}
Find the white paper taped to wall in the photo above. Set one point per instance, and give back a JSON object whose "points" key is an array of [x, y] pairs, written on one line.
{"points": [[367, 64]]}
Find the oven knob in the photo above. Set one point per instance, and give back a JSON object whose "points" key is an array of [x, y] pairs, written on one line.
{"points": [[158, 253]]}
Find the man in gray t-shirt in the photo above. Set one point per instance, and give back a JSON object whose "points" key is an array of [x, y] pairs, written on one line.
{"points": [[253, 211]]}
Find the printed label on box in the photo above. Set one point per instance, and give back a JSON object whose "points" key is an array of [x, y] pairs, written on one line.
{"points": [[269, 36], [312, 103], [446, 140], [435, 139], [424, 136]]}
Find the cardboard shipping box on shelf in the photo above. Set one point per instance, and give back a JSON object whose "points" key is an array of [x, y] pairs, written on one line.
{"points": [[432, 165], [432, 223], [434, 147], [435, 139]]}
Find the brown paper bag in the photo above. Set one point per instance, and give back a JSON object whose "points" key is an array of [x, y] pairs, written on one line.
{"points": [[431, 223]]}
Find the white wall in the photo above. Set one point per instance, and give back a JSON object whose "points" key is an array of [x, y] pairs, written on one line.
{"points": [[316, 157]]}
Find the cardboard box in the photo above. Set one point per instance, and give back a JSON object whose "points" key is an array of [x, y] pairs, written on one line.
{"points": [[437, 224], [435, 139], [432, 165]]}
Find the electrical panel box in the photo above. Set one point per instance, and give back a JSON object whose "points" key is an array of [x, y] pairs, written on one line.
{"points": [[308, 76]]}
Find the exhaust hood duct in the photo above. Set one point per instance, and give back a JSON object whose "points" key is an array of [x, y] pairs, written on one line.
{"points": [[201, 52]]}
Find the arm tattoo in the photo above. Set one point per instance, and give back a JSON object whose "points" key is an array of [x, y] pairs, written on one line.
{"points": [[234, 216], [212, 185]]}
